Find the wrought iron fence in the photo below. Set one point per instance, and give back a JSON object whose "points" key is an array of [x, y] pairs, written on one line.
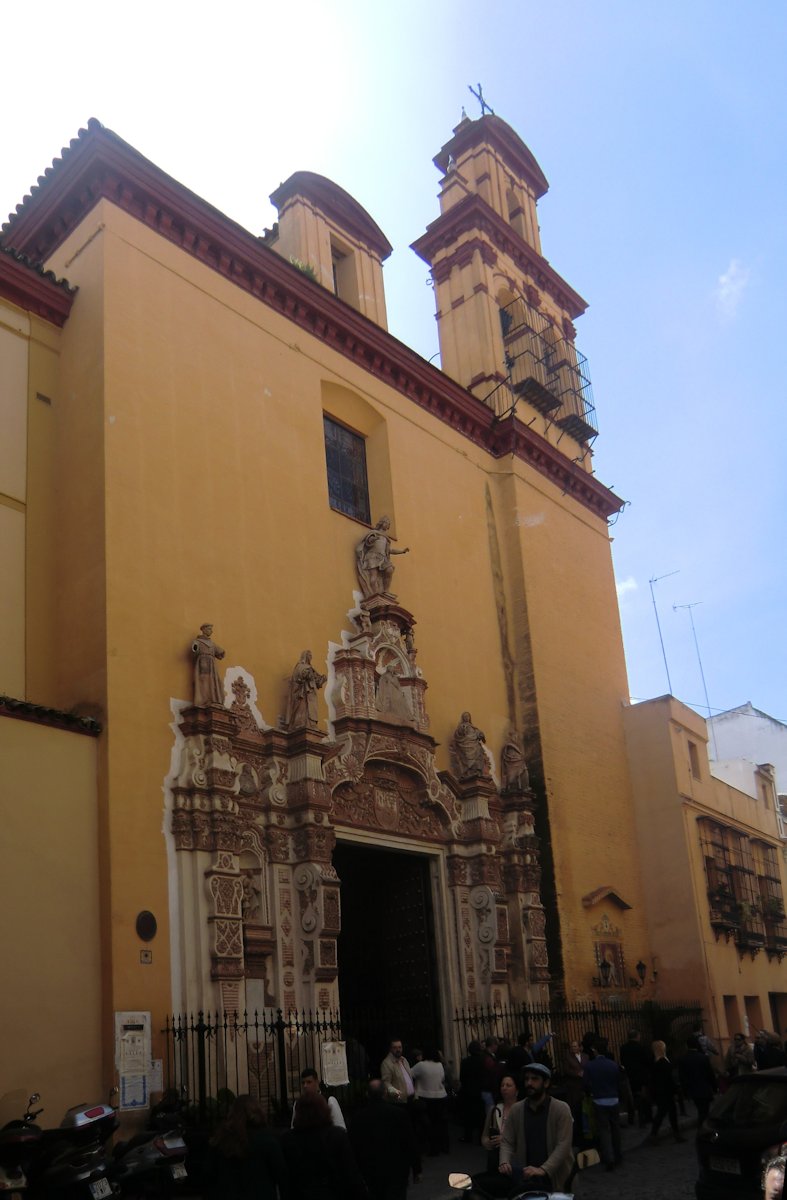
{"points": [[670, 1023], [213, 1057], [210, 1058]]}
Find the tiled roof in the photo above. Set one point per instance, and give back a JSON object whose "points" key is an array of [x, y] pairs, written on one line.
{"points": [[24, 261], [39, 714], [26, 201]]}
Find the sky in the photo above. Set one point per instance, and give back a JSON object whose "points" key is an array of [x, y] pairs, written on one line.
{"points": [[661, 130]]}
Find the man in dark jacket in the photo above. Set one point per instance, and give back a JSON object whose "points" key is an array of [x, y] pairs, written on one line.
{"points": [[637, 1062], [384, 1143], [602, 1080], [697, 1077]]}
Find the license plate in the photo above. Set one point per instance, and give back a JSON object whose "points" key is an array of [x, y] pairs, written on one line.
{"points": [[100, 1189], [179, 1170], [729, 1166]]}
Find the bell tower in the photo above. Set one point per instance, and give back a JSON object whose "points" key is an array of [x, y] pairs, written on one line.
{"points": [[505, 317]]}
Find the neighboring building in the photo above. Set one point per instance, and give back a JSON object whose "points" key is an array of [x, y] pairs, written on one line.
{"points": [[51, 1006], [227, 421], [713, 867], [746, 732]]}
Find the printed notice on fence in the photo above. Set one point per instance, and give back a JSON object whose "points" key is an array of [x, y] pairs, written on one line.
{"points": [[334, 1064]]}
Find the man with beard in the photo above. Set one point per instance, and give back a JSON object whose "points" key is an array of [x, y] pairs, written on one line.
{"points": [[536, 1141]]}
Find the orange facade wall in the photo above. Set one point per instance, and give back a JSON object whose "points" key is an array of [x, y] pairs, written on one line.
{"points": [[50, 1009], [196, 490]]}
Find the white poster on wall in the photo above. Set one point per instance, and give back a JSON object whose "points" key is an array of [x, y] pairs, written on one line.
{"points": [[333, 1056], [132, 1058]]}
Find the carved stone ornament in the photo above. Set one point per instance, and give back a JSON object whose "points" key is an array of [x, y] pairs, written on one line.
{"points": [[513, 768], [483, 901], [305, 683], [373, 559], [264, 806], [307, 880], [250, 898], [468, 757], [240, 708], [392, 700], [206, 653]]}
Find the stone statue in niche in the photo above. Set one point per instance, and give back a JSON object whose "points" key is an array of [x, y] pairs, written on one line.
{"points": [[468, 757], [391, 698], [512, 764], [363, 620], [250, 898], [207, 685], [408, 641], [247, 784], [373, 559], [305, 682]]}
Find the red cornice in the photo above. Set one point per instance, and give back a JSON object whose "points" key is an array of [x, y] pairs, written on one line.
{"points": [[473, 214], [493, 131], [511, 436], [99, 165], [337, 204], [34, 290]]}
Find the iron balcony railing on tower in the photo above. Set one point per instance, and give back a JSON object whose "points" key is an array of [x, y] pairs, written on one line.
{"points": [[546, 370]]}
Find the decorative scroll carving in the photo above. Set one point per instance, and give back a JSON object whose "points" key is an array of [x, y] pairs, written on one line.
{"points": [[307, 883], [483, 901], [390, 802], [244, 717]]}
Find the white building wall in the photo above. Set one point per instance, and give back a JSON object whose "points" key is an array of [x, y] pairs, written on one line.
{"points": [[746, 732]]}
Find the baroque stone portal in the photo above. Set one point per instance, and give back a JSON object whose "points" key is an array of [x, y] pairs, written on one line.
{"points": [[257, 810]]}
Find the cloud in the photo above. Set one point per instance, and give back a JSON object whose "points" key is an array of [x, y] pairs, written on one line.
{"points": [[625, 587], [730, 288]]}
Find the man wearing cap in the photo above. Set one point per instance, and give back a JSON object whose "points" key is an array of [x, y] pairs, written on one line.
{"points": [[536, 1138]]}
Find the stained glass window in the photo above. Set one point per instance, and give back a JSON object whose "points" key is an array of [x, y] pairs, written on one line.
{"points": [[345, 456]]}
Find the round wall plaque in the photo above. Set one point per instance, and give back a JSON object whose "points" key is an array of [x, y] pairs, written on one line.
{"points": [[146, 926]]}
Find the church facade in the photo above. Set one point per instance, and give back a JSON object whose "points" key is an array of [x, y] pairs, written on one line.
{"points": [[348, 621]]}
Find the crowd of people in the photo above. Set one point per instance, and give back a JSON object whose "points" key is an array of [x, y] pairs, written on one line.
{"points": [[531, 1110]]}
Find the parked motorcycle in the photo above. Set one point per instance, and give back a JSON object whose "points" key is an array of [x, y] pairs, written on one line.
{"points": [[67, 1163], [17, 1143], [153, 1163], [150, 1165]]}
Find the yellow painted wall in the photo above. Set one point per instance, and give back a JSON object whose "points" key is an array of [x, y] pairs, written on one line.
{"points": [[50, 1010], [196, 443], [669, 800], [44, 412], [581, 688], [28, 371], [14, 353]]}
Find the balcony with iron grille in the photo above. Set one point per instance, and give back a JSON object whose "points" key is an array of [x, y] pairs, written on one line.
{"points": [[545, 370]]}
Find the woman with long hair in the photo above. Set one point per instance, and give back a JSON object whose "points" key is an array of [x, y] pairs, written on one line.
{"points": [[245, 1160], [663, 1088], [496, 1119]]}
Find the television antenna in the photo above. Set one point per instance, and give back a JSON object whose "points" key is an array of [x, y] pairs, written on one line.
{"points": [[689, 607], [657, 579]]}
